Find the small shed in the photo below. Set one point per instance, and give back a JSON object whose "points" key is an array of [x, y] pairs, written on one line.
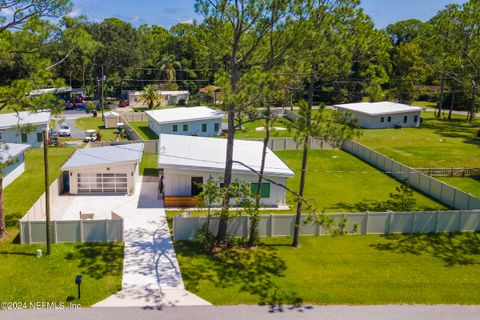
{"points": [[111, 119]]}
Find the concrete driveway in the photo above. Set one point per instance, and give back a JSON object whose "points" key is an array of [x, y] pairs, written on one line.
{"points": [[151, 275]]}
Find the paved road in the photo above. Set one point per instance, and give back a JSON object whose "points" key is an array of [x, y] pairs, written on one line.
{"points": [[242, 312]]}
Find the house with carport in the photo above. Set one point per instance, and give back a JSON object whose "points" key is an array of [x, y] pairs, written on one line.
{"points": [[384, 114], [192, 121], [103, 170], [187, 162], [24, 127]]}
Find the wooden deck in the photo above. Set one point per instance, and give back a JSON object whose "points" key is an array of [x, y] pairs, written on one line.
{"points": [[181, 201]]}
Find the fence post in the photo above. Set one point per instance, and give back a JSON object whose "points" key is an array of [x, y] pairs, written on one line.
{"points": [[390, 222], [29, 241], [436, 222], [106, 230], [366, 223], [20, 225], [246, 226], [271, 226], [413, 222], [460, 214], [54, 231], [81, 230]]}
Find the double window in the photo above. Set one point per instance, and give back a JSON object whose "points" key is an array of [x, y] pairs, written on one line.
{"points": [[405, 119], [216, 127], [382, 119], [175, 128], [389, 119], [39, 137], [24, 138], [185, 127], [204, 127]]}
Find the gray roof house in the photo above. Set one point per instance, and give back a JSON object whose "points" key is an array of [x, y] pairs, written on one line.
{"points": [[24, 127], [12, 160]]}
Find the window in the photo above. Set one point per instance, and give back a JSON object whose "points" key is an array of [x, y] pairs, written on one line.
{"points": [[175, 128], [216, 127], [1, 136], [185, 127], [382, 119], [389, 119], [39, 137], [204, 127], [24, 138], [415, 119], [405, 119], [264, 190]]}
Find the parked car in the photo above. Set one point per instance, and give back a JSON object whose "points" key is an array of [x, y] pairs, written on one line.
{"points": [[64, 130], [122, 104]]}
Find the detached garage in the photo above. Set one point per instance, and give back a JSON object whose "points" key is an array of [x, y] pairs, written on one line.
{"points": [[104, 170]]}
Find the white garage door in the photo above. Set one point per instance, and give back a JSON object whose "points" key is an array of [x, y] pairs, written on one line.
{"points": [[102, 183]]}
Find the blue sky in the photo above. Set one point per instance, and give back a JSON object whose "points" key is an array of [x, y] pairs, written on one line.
{"points": [[170, 12]]}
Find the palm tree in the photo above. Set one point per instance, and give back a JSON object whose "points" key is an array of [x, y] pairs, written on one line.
{"points": [[150, 95], [168, 64]]}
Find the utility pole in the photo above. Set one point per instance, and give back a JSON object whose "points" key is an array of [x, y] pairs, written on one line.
{"points": [[102, 81], [47, 190]]}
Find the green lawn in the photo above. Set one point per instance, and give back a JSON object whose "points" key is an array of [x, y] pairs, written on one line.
{"points": [[373, 269], [149, 164], [425, 104], [21, 194], [337, 181], [96, 123], [249, 130], [437, 143], [26, 278], [142, 128], [468, 184]]}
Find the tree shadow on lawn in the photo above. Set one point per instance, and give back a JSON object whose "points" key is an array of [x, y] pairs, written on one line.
{"points": [[98, 259], [372, 206], [253, 269], [455, 128], [453, 248]]}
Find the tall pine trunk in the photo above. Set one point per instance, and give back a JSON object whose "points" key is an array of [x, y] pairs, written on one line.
{"points": [[474, 101], [440, 102], [452, 104], [254, 221], [298, 216]]}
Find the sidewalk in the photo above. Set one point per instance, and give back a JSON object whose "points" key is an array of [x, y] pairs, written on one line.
{"points": [[151, 275]]}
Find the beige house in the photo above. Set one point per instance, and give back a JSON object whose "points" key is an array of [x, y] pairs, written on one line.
{"points": [[104, 170]]}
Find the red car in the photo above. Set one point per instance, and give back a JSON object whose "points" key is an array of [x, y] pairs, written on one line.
{"points": [[122, 104]]}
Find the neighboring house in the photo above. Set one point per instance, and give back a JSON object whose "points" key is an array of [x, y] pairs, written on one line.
{"points": [[379, 115], [198, 121], [190, 161], [24, 127], [13, 156], [166, 98], [104, 170]]}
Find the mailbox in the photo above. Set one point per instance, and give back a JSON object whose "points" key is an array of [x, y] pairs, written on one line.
{"points": [[78, 279]]}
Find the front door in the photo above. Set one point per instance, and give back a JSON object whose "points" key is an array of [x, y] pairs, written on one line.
{"points": [[196, 185]]}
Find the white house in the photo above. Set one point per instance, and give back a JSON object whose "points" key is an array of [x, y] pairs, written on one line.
{"points": [[198, 121], [167, 98], [24, 127], [12, 159], [104, 170], [385, 114], [188, 161]]}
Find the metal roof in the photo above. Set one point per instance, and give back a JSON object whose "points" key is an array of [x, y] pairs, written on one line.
{"points": [[102, 156], [9, 151], [184, 114], [378, 108], [8, 120], [208, 154]]}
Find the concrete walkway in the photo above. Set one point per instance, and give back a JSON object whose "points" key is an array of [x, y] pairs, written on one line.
{"points": [[151, 275]]}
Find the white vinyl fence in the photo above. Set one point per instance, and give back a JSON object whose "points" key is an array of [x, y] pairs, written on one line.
{"points": [[280, 144], [276, 225], [436, 189], [135, 116], [149, 146], [72, 231], [37, 211]]}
